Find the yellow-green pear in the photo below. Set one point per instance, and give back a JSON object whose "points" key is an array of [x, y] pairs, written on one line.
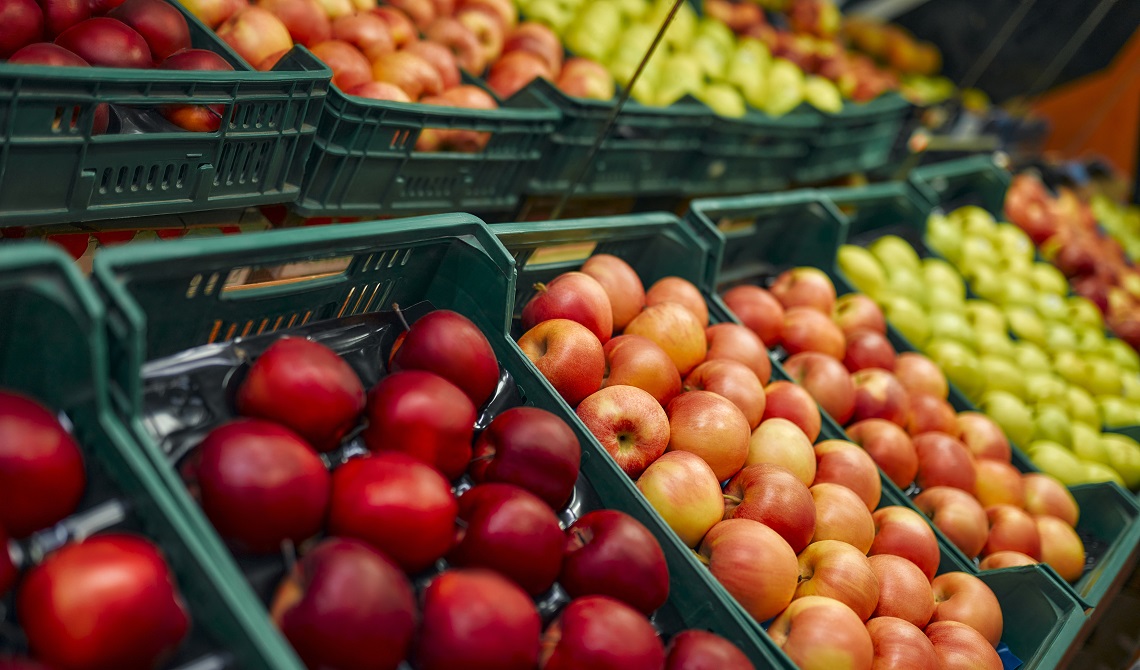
{"points": [[960, 365], [895, 252], [937, 272], [1002, 375], [984, 315], [1082, 406], [862, 269], [1030, 357], [995, 343], [1094, 473], [1124, 355], [1087, 445], [1012, 242], [823, 94], [1084, 312], [944, 237], [1048, 279], [785, 88], [1053, 459], [1051, 422], [722, 99], [908, 318], [1116, 412], [1045, 388], [710, 55], [1124, 457], [718, 32]]}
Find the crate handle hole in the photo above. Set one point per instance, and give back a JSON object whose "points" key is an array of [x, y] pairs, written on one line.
{"points": [[561, 253], [282, 274]]}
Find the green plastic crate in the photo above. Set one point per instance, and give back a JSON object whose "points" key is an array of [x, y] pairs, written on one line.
{"points": [[976, 180], [166, 297], [859, 138], [52, 348], [53, 170], [364, 162]]}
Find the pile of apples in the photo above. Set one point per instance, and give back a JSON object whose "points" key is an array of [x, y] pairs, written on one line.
{"points": [[895, 407], [681, 406], [141, 34], [1055, 386], [107, 601], [390, 517]]}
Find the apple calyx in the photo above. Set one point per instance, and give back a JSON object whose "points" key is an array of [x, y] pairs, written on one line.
{"points": [[579, 537]]}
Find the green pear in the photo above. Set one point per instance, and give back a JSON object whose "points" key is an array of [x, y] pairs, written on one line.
{"points": [[747, 70], [1048, 279], [960, 365], [1117, 412], [633, 10], [1017, 291], [1012, 242], [551, 13], [1000, 374], [1045, 388], [595, 30], [1095, 473], [718, 32], [722, 99], [1071, 366], [908, 318], [951, 326], [1087, 445], [1007, 410], [940, 298], [1051, 307], [1082, 406], [862, 269], [944, 237], [895, 252], [985, 282], [1130, 387], [1092, 341], [1053, 459], [823, 94], [711, 55], [1059, 338], [1025, 324], [905, 282], [1050, 422], [681, 32], [1016, 266], [1124, 355], [984, 315], [680, 76], [977, 250], [975, 221], [1124, 457], [938, 273], [1083, 311], [1103, 377], [1030, 357], [785, 88], [994, 343]]}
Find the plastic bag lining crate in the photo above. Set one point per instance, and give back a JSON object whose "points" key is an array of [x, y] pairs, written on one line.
{"points": [[364, 160], [1108, 522], [52, 348], [168, 297], [53, 169], [860, 137], [648, 151]]}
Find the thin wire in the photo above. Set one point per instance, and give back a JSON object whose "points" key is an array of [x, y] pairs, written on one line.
{"points": [[622, 99], [1049, 74], [995, 46]]}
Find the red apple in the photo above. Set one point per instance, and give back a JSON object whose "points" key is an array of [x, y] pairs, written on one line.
{"points": [[806, 329], [927, 413], [878, 395], [899, 645], [958, 515], [983, 437], [610, 553], [440, 58], [487, 29], [674, 329], [8, 569], [585, 78], [633, 360], [781, 442], [1012, 529], [804, 287], [506, 529], [919, 374], [758, 310], [828, 382], [503, 11], [59, 15], [569, 356], [966, 599], [855, 311], [386, 498], [702, 650], [621, 283], [998, 483], [421, 12], [346, 605], [904, 591], [785, 400], [213, 13], [460, 140], [197, 118], [575, 296], [682, 488], [1006, 559], [450, 345], [23, 22], [944, 461], [46, 53], [730, 341], [681, 291], [731, 380], [890, 448], [841, 515], [462, 43], [1061, 547], [530, 448], [738, 16], [834, 569], [844, 463], [960, 647], [900, 531], [774, 496], [306, 20], [399, 25], [629, 423], [365, 31], [162, 26], [380, 90], [602, 633], [754, 564], [1045, 495], [817, 632], [108, 43], [255, 34], [350, 67], [537, 39], [14, 663], [260, 484], [479, 620], [41, 468], [512, 72], [410, 72], [710, 426], [868, 349]]}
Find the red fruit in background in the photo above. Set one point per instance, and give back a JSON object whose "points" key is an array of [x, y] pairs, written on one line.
{"points": [[804, 287], [602, 634], [365, 31], [681, 291], [944, 461], [610, 553], [46, 53], [422, 12], [8, 569], [537, 39], [162, 26], [868, 349], [738, 343], [346, 605], [572, 295], [476, 620], [786, 400], [702, 650], [379, 90], [759, 310], [41, 469], [350, 67], [826, 380], [512, 532], [734, 381], [23, 22], [386, 499], [461, 41], [512, 72], [854, 311], [807, 329], [306, 387], [259, 484], [441, 58], [196, 118], [410, 72], [530, 448], [108, 43], [109, 601], [879, 395], [257, 36], [399, 25], [450, 345], [889, 446], [423, 415], [928, 413], [774, 496], [59, 15], [306, 20]]}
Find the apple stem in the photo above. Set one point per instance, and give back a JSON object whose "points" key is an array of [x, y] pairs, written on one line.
{"points": [[396, 308], [540, 287], [732, 499], [701, 557]]}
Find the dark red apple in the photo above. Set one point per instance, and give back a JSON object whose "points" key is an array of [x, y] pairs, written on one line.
{"points": [[161, 25], [398, 505], [531, 448], [106, 42], [512, 532], [23, 23], [600, 633], [46, 53], [8, 570], [347, 606], [702, 650], [609, 553], [41, 469], [109, 601], [868, 349], [199, 118], [476, 620], [260, 484], [423, 415], [59, 15], [450, 345]]}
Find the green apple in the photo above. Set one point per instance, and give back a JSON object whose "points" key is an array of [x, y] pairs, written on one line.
{"points": [[1082, 406], [985, 282], [1092, 341], [1050, 422], [908, 318], [1044, 387], [895, 252], [711, 55], [946, 325], [939, 274], [984, 315], [1048, 279], [1025, 324], [1059, 338], [1051, 307], [1012, 242], [1016, 291], [906, 282], [944, 237], [1053, 459], [823, 94], [722, 99], [1084, 312], [1000, 374], [785, 88], [1124, 355], [1087, 445], [1124, 457], [1116, 412], [1007, 410], [960, 365], [995, 343], [862, 269], [1030, 357], [1094, 473], [1103, 377]]}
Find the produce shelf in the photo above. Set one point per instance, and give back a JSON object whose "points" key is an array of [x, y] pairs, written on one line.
{"points": [[859, 138]]}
